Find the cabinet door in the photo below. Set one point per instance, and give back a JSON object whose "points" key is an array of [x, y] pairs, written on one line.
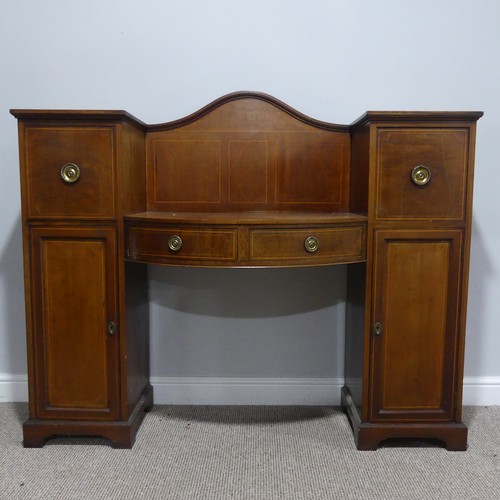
{"points": [[415, 324], [75, 361], [443, 155], [89, 150]]}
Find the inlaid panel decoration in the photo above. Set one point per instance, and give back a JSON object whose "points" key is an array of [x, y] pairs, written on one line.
{"points": [[309, 169], [248, 171], [244, 155], [187, 171]]}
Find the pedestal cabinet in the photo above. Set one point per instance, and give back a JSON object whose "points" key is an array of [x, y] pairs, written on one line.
{"points": [[246, 182], [404, 361], [87, 310]]}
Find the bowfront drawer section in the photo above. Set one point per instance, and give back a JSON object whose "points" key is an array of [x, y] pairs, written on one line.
{"points": [[69, 172], [179, 245], [422, 173], [308, 246]]}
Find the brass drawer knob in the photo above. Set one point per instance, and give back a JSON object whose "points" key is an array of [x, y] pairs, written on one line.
{"points": [[421, 175], [70, 173], [311, 244], [175, 243]]}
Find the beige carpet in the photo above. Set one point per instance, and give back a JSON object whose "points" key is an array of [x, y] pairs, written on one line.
{"points": [[248, 453]]}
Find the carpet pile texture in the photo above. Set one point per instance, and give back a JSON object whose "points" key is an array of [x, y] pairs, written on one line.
{"points": [[248, 452]]}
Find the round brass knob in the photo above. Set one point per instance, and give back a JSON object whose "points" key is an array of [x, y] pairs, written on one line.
{"points": [[311, 244], [421, 175], [70, 173], [175, 243]]}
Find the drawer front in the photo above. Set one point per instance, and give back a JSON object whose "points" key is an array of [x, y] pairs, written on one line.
{"points": [[85, 188], [422, 173], [308, 246], [177, 245]]}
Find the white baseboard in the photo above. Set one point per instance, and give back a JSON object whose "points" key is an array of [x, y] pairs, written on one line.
{"points": [[478, 391], [481, 391], [13, 388], [247, 391]]}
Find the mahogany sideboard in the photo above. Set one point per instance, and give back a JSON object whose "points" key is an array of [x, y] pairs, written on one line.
{"points": [[246, 181]]}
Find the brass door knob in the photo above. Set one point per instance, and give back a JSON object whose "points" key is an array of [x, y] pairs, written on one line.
{"points": [[175, 243], [421, 175], [311, 244], [70, 173]]}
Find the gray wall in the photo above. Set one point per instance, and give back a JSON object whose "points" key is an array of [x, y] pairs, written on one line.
{"points": [[248, 322], [216, 334]]}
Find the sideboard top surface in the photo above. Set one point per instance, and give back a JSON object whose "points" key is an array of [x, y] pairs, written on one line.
{"points": [[121, 115]]}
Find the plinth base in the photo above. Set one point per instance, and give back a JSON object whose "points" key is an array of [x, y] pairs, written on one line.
{"points": [[121, 434], [368, 436]]}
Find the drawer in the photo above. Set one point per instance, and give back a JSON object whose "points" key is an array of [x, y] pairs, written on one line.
{"points": [[87, 152], [308, 246], [438, 159], [177, 244]]}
